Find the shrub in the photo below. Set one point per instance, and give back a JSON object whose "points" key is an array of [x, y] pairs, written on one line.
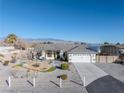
{"points": [[36, 65], [64, 66], [1, 55], [6, 63], [50, 69], [64, 77], [19, 65]]}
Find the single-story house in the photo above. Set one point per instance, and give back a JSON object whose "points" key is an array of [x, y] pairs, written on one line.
{"points": [[82, 54], [52, 51], [71, 52]]}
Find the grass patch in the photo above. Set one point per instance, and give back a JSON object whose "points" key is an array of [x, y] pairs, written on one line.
{"points": [[19, 65], [50, 69]]}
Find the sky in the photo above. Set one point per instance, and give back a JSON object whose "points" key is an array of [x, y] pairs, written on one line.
{"points": [[93, 21]]}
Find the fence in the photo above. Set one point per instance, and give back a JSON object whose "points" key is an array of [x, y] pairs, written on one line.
{"points": [[106, 59]]}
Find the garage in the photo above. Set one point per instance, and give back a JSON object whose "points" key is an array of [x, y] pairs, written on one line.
{"points": [[81, 55], [79, 58]]}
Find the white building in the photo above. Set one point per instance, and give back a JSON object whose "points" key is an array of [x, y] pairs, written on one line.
{"points": [[82, 54], [75, 53]]}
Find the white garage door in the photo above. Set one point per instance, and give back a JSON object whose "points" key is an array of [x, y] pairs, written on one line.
{"points": [[80, 58]]}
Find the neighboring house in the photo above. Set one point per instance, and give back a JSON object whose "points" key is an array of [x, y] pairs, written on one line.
{"points": [[108, 54], [82, 54], [121, 47], [110, 50], [121, 57]]}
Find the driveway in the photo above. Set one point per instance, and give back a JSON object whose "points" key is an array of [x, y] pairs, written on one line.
{"points": [[98, 81], [90, 71]]}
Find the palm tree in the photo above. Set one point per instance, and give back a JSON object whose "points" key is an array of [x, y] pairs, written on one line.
{"points": [[11, 38]]}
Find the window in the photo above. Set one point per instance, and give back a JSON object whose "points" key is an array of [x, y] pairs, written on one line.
{"points": [[74, 54], [39, 54], [49, 53], [69, 55]]}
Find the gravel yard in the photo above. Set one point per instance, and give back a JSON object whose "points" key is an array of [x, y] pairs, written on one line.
{"points": [[45, 82]]}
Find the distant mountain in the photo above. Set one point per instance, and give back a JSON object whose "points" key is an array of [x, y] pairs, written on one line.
{"points": [[94, 46], [49, 40], [40, 40], [61, 41]]}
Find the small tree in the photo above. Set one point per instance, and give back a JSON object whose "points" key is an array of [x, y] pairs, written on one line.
{"points": [[11, 38], [106, 43], [117, 43]]}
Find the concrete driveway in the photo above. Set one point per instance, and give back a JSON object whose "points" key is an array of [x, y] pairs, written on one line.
{"points": [[90, 71], [98, 81]]}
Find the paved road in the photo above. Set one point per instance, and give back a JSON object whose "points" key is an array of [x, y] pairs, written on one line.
{"points": [[106, 84], [90, 71], [115, 70]]}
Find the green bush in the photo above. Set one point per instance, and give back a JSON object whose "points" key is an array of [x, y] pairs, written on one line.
{"points": [[50, 69], [19, 65], [64, 66], [6, 63], [64, 77]]}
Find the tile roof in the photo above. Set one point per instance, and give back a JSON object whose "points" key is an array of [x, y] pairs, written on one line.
{"points": [[55, 47], [82, 50], [70, 48]]}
